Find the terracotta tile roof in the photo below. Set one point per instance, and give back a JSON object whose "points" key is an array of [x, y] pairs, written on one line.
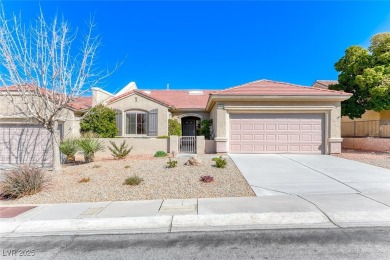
{"points": [[324, 83], [274, 88], [81, 103], [180, 99]]}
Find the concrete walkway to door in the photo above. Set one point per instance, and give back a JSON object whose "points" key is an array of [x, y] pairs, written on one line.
{"points": [[294, 174]]}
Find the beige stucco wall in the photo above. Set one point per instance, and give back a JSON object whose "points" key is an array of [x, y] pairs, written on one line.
{"points": [[100, 96], [140, 145], [183, 113], [7, 109], [331, 110], [137, 102]]}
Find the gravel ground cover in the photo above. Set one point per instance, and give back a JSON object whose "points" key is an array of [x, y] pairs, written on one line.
{"points": [[107, 177], [373, 158]]}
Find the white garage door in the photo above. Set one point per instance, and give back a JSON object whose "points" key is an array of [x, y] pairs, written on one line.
{"points": [[276, 133], [25, 144]]}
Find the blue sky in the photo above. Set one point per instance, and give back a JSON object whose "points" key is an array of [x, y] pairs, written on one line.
{"points": [[219, 44]]}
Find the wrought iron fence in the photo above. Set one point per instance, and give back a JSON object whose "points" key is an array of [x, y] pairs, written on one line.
{"points": [[371, 128], [187, 144]]}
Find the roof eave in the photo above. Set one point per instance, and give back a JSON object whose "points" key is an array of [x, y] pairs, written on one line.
{"points": [[142, 95], [220, 97]]}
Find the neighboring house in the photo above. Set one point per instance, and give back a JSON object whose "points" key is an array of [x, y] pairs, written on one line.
{"points": [[258, 117], [371, 124], [23, 140]]}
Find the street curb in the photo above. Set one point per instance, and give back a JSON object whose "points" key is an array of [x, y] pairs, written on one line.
{"points": [[191, 223], [165, 224]]}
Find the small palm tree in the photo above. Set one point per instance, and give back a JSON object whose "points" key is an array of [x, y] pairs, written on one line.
{"points": [[69, 147], [89, 146]]}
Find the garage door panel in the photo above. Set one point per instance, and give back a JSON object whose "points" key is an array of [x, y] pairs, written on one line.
{"points": [[258, 127], [247, 137], [247, 126], [258, 137], [258, 148], [294, 127], [293, 138], [283, 137], [235, 137], [235, 126], [277, 133], [25, 144], [283, 127]]}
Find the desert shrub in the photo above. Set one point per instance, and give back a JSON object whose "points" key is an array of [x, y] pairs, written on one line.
{"points": [[84, 180], [205, 128], [69, 147], [220, 162], [171, 164], [133, 180], [23, 180], [174, 127], [119, 152], [96, 166], [206, 178], [127, 166], [89, 146], [160, 154], [100, 120]]}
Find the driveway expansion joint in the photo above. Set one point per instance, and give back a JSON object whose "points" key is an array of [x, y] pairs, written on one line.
{"points": [[311, 168], [323, 212], [361, 194], [273, 190]]}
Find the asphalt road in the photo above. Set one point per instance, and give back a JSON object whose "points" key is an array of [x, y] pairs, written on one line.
{"points": [[353, 243]]}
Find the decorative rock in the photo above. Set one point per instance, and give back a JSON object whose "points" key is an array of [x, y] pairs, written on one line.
{"points": [[194, 161]]}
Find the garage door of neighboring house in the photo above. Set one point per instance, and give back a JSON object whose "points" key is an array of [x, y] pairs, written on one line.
{"points": [[277, 133], [25, 144]]}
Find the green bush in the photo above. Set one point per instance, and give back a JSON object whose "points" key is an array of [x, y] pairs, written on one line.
{"points": [[220, 162], [171, 164], [174, 127], [23, 180], [163, 137], [160, 154], [100, 120], [133, 180], [89, 146], [69, 147], [205, 128], [119, 152]]}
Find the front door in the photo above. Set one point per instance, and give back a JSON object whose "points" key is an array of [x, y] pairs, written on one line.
{"points": [[188, 127]]}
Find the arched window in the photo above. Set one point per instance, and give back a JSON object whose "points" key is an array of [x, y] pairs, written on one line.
{"points": [[136, 123]]}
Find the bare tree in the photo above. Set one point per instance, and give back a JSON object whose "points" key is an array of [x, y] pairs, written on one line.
{"points": [[44, 66]]}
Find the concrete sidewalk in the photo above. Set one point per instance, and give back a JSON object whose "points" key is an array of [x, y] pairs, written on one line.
{"points": [[268, 212]]}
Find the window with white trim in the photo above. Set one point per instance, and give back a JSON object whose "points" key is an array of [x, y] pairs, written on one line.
{"points": [[136, 123]]}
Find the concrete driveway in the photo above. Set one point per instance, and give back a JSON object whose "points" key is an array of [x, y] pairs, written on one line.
{"points": [[295, 174]]}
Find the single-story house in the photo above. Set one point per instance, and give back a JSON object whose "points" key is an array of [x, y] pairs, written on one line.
{"points": [[23, 140], [263, 116]]}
